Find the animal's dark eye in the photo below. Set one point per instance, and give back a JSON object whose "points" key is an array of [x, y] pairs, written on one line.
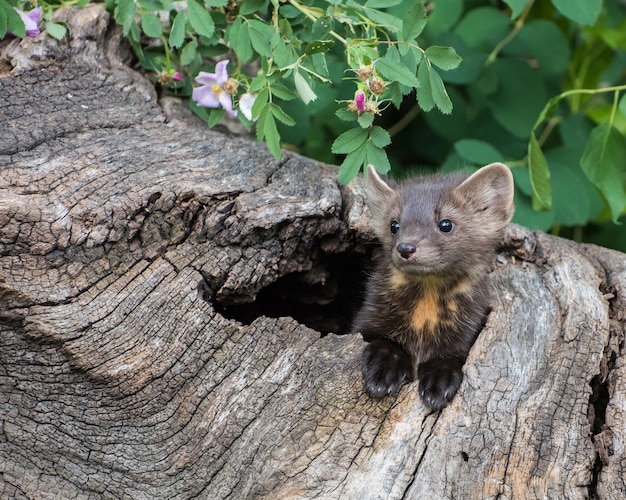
{"points": [[445, 225], [394, 226]]}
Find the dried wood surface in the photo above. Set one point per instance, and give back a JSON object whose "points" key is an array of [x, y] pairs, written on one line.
{"points": [[126, 226]]}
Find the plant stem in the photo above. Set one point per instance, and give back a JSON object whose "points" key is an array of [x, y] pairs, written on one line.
{"points": [[519, 24], [308, 12]]}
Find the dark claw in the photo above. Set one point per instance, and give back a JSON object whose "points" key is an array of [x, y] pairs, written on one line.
{"points": [[385, 368], [439, 379]]}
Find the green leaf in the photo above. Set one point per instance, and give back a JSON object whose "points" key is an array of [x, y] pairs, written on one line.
{"points": [[519, 98], [177, 33], [443, 17], [272, 137], [539, 176], [260, 103], [445, 58], [582, 11], [14, 22], [318, 46], [3, 22], [622, 105], [215, 115], [303, 88], [365, 120], [351, 165], [543, 41], [151, 25], [188, 54], [217, 3], [282, 92], [377, 157], [240, 40], [472, 30], [124, 15], [380, 137], [414, 22], [281, 116], [261, 37], [346, 115], [251, 6], [604, 163], [200, 19], [56, 30], [477, 152], [424, 91], [440, 96], [517, 6], [392, 69], [349, 141], [321, 27]]}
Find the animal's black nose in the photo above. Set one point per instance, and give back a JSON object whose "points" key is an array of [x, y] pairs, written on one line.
{"points": [[406, 250]]}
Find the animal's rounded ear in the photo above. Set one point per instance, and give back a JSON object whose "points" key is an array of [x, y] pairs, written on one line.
{"points": [[376, 186], [491, 188]]}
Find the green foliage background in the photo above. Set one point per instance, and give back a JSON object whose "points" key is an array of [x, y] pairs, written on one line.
{"points": [[517, 60]]}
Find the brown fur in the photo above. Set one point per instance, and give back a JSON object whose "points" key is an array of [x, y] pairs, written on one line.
{"points": [[423, 311]]}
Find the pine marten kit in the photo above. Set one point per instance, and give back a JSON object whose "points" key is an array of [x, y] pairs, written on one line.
{"points": [[427, 298]]}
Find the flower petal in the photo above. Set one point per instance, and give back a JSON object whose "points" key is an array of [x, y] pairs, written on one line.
{"points": [[246, 101], [31, 20], [204, 96], [220, 72], [205, 78], [227, 103]]}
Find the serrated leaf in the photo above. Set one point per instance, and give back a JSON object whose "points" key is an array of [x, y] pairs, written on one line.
{"points": [[281, 116], [377, 156], [303, 88], [260, 103], [251, 6], [424, 91], [392, 69], [282, 92], [318, 46], [124, 15], [365, 120], [349, 141], [321, 27], [151, 25], [261, 36], [56, 30], [604, 163], [414, 22], [582, 11], [346, 115], [351, 165], [177, 33], [380, 137], [445, 58], [240, 40], [188, 54], [440, 95], [272, 137], [539, 176], [200, 19]]}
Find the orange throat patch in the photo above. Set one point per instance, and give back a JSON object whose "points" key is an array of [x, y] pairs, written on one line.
{"points": [[427, 312]]}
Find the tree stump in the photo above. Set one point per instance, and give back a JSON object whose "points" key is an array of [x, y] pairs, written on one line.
{"points": [[148, 269]]}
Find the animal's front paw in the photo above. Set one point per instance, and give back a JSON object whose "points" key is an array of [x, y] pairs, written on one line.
{"points": [[439, 379], [385, 368]]}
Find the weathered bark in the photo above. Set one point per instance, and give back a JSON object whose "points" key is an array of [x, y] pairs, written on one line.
{"points": [[126, 230]]}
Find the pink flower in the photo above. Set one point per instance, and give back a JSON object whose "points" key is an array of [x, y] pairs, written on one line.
{"points": [[212, 94], [31, 20], [177, 77], [359, 100]]}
